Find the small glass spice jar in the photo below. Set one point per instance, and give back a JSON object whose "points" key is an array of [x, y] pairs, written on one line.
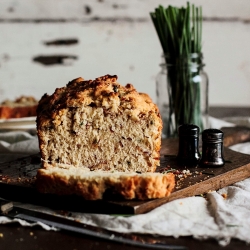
{"points": [[212, 148], [188, 153]]}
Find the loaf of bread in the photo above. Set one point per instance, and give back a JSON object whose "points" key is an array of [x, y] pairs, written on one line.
{"points": [[62, 179], [100, 124], [24, 106], [108, 135]]}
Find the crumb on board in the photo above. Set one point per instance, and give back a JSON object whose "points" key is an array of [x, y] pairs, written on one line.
{"points": [[224, 196], [182, 174], [9, 179]]}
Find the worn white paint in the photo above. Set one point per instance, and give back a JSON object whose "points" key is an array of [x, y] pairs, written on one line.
{"points": [[128, 47]]}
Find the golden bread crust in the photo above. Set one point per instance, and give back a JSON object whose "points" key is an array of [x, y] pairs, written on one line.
{"points": [[103, 92], [24, 106], [92, 185]]}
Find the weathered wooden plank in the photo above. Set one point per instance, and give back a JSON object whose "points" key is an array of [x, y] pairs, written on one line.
{"points": [[134, 9], [128, 47], [100, 50], [132, 51], [236, 168]]}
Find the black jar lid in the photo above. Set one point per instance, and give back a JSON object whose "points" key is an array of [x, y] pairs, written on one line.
{"points": [[188, 130], [212, 135]]}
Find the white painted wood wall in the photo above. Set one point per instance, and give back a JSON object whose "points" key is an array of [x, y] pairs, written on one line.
{"points": [[117, 37]]}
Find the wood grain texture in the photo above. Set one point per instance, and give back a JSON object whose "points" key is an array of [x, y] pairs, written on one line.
{"points": [[235, 135], [236, 168], [65, 10]]}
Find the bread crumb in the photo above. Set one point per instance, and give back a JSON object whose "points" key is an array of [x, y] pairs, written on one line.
{"points": [[224, 196]]}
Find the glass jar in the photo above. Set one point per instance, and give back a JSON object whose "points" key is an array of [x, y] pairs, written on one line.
{"points": [[182, 93]]}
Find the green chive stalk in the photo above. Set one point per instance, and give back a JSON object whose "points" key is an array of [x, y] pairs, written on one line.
{"points": [[180, 34]]}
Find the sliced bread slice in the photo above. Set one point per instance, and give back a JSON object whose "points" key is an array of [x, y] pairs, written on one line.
{"points": [[65, 179]]}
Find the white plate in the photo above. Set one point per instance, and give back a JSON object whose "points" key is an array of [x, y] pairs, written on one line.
{"points": [[18, 123]]}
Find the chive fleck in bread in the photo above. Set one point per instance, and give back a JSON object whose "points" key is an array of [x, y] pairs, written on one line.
{"points": [[23, 106], [110, 130]]}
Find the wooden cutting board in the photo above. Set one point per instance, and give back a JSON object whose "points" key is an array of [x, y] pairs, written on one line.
{"points": [[17, 180]]}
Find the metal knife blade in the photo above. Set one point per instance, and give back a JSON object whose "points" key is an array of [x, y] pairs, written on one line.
{"points": [[74, 226]]}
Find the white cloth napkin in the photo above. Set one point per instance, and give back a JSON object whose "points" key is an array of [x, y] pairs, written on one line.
{"points": [[17, 144], [223, 215], [215, 217]]}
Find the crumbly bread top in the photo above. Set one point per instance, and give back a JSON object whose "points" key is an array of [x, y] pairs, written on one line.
{"points": [[103, 92], [21, 101]]}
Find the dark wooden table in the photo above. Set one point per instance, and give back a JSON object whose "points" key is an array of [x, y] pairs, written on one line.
{"points": [[14, 236]]}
